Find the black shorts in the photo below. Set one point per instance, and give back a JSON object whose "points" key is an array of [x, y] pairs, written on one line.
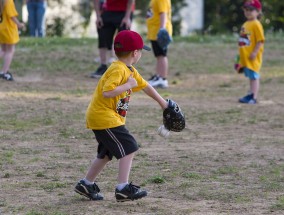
{"points": [[117, 142], [111, 21], [158, 51]]}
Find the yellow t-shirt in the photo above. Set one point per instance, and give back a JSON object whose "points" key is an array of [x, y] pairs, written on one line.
{"points": [[8, 29], [251, 33], [153, 18], [103, 113]]}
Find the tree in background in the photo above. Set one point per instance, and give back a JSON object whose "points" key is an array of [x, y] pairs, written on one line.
{"points": [[224, 16], [220, 16]]}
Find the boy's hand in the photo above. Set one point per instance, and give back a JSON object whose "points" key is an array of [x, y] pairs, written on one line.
{"points": [[132, 81], [252, 55]]}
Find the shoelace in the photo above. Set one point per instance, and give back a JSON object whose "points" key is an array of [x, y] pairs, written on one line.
{"points": [[96, 188], [133, 189], [154, 77]]}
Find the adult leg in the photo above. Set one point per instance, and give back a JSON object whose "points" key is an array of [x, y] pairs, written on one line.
{"points": [[106, 40], [32, 18], [103, 55], [40, 18], [105, 33]]}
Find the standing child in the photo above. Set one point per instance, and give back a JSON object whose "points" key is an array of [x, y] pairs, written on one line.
{"points": [[159, 19], [106, 116], [9, 35], [251, 49]]}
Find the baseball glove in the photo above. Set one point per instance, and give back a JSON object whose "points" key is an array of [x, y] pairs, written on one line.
{"points": [[237, 66], [163, 38], [173, 117]]}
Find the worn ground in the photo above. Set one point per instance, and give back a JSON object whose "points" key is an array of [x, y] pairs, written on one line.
{"points": [[228, 160]]}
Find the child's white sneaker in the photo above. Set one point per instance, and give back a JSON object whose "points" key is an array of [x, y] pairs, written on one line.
{"points": [[159, 82], [7, 76]]}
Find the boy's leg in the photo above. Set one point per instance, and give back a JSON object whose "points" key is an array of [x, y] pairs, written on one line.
{"points": [[254, 86], [96, 167], [125, 164], [2, 51], [162, 66], [125, 191], [86, 186], [7, 57]]}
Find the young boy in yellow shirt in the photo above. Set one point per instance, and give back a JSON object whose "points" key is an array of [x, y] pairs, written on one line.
{"points": [[251, 48], [106, 115], [159, 19]]}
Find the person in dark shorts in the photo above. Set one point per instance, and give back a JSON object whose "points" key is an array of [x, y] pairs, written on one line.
{"points": [[159, 19], [106, 115], [113, 16]]}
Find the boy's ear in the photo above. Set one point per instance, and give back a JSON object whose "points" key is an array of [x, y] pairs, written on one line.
{"points": [[135, 52]]}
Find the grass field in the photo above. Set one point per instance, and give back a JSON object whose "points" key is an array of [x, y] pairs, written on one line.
{"points": [[228, 160]]}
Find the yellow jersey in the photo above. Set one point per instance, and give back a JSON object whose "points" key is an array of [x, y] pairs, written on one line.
{"points": [[103, 113], [251, 33], [157, 7], [8, 29]]}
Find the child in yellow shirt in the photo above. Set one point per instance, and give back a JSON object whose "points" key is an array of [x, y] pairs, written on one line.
{"points": [[251, 42], [9, 35], [159, 19], [106, 116]]}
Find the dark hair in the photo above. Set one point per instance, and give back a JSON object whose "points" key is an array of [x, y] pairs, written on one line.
{"points": [[123, 54]]}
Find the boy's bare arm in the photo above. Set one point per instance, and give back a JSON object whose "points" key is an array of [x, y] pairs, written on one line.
{"points": [[150, 91], [256, 50], [163, 18]]}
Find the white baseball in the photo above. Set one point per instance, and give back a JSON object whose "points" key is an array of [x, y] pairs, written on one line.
{"points": [[162, 131]]}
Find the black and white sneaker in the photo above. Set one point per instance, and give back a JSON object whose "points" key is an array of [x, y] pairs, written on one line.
{"points": [[153, 78], [129, 193], [99, 72], [90, 191], [7, 76]]}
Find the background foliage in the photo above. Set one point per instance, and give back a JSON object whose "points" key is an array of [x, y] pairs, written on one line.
{"points": [[220, 16], [227, 15]]}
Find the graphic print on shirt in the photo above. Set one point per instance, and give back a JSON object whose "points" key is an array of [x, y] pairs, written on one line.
{"points": [[122, 105], [244, 39], [149, 13]]}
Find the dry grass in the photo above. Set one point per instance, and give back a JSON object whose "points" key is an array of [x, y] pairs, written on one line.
{"points": [[229, 159]]}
